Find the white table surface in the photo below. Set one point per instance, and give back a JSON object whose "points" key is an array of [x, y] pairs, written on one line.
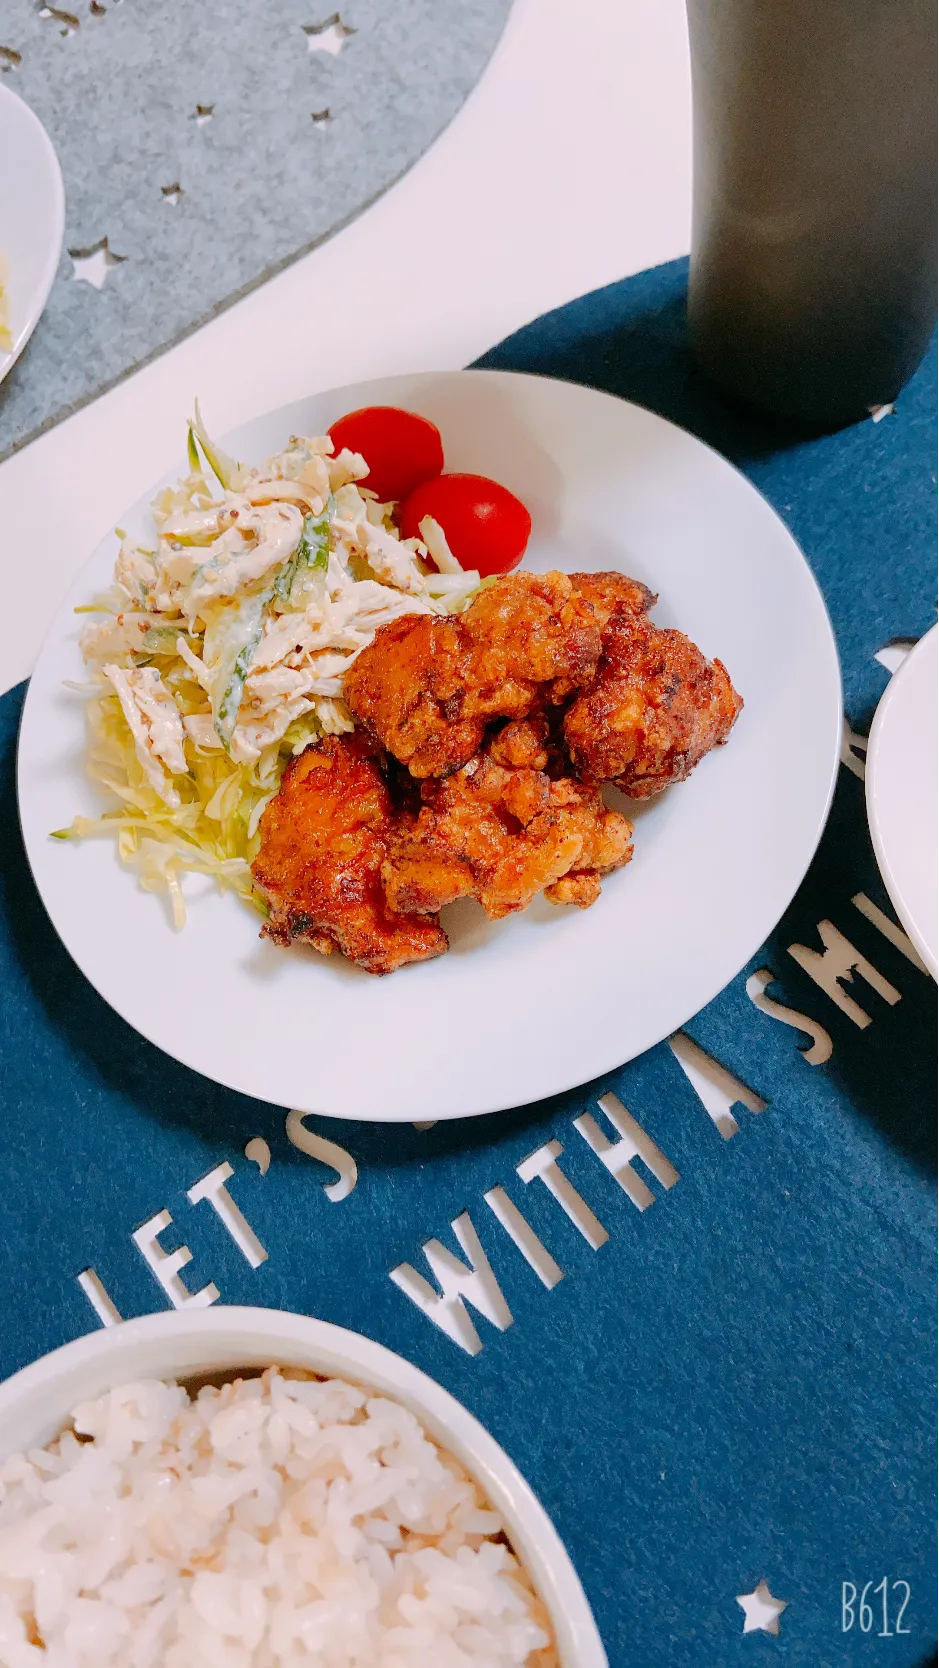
{"points": [[568, 167]]}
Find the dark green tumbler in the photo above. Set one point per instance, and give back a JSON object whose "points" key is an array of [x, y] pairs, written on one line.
{"points": [[813, 266]]}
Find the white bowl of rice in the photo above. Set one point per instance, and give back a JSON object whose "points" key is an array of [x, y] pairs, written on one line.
{"points": [[339, 1511]]}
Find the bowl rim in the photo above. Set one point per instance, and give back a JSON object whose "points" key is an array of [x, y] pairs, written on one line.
{"points": [[40, 1397], [43, 147], [917, 658]]}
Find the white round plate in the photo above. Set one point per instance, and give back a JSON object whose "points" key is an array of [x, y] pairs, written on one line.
{"points": [[902, 783], [550, 998], [37, 1402], [32, 219]]}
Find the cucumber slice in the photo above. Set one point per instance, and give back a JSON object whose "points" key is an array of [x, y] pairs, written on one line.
{"points": [[229, 473], [310, 556], [235, 629], [230, 640]]}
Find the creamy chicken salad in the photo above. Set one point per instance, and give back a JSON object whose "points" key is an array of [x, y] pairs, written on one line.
{"points": [[219, 650]]}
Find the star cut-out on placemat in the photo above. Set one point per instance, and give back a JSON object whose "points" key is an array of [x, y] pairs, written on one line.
{"points": [[91, 266], [761, 1609], [329, 36]]}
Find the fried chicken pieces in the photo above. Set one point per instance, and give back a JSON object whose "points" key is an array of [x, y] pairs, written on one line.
{"points": [[323, 843], [653, 710], [507, 719], [427, 687], [502, 833]]}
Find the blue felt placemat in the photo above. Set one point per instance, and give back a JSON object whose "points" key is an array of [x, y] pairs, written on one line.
{"points": [[738, 1385]]}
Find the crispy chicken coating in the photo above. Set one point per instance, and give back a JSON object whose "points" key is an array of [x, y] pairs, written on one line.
{"points": [[525, 633], [426, 687], [611, 594], [407, 688], [501, 833], [655, 707], [524, 744], [323, 842]]}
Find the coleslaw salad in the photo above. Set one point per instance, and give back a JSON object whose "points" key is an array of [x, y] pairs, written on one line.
{"points": [[219, 653]]}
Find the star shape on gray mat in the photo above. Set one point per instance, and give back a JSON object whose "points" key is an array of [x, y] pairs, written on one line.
{"points": [[329, 36], [761, 1610], [91, 266]]}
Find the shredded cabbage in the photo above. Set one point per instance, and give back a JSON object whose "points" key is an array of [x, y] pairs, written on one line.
{"points": [[223, 647], [214, 829]]}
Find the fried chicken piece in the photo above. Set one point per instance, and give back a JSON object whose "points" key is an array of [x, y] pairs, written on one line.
{"points": [[611, 594], [527, 631], [323, 842], [427, 687], [407, 688], [580, 888], [502, 833], [526, 744], [656, 706]]}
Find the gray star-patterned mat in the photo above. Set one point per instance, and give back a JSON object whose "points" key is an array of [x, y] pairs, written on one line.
{"points": [[204, 149]]}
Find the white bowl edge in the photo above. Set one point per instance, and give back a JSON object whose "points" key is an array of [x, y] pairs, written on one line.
{"points": [[912, 666], [36, 1403], [24, 321]]}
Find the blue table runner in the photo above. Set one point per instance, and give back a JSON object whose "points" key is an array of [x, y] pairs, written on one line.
{"points": [[737, 1383]]}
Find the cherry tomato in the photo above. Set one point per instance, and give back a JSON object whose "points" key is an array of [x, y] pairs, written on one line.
{"points": [[486, 526], [400, 448]]}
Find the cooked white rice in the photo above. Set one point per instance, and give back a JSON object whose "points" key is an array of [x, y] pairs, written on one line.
{"points": [[277, 1522]]}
